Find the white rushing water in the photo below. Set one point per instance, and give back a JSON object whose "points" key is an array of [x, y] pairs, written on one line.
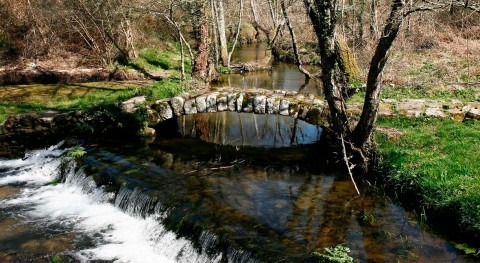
{"points": [[121, 235]]}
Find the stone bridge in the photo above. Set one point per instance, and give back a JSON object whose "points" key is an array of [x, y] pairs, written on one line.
{"points": [[309, 108]]}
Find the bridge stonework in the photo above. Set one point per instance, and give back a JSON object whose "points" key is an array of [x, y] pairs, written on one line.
{"points": [[309, 108]]}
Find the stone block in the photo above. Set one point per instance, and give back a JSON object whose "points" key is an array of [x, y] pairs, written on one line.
{"points": [[259, 104], [386, 109], [240, 102], [177, 105], [201, 102], [222, 103], [411, 108], [212, 102], [474, 114], [231, 100], [457, 114], [248, 104], [164, 110], [435, 112], [190, 107], [273, 105], [283, 107]]}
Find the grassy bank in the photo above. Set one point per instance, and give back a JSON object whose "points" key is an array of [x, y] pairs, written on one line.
{"points": [[435, 161], [64, 97]]}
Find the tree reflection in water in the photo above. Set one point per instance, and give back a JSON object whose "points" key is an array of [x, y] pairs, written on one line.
{"points": [[248, 129]]}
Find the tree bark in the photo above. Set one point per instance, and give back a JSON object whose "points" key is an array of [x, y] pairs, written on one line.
{"points": [[364, 128], [200, 63], [220, 15], [323, 17]]}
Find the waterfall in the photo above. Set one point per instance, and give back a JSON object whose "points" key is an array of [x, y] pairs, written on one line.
{"points": [[125, 227]]}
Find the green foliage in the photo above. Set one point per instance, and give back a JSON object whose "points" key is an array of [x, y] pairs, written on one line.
{"points": [[337, 254], [55, 259], [436, 161], [224, 70], [167, 88], [157, 58], [466, 248], [110, 120], [76, 152]]}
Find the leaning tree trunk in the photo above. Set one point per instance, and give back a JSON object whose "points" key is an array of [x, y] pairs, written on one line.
{"points": [[323, 17], [298, 60], [363, 130], [200, 63]]}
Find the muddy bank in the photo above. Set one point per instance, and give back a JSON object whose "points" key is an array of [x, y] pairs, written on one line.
{"points": [[33, 75]]}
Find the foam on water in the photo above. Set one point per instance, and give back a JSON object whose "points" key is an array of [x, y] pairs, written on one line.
{"points": [[79, 204]]}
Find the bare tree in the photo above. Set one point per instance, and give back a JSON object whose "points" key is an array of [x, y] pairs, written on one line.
{"points": [[323, 14]]}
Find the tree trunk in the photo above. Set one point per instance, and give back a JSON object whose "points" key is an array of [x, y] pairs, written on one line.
{"points": [[364, 128], [239, 26], [200, 63], [220, 14], [298, 61], [323, 17]]}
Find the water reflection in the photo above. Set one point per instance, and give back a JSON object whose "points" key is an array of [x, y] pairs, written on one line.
{"points": [[278, 213], [282, 76], [248, 129]]}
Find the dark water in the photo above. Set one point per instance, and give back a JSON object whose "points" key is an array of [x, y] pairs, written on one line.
{"points": [[282, 76], [183, 199]]}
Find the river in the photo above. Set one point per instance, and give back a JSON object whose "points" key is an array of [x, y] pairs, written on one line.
{"points": [[221, 187]]}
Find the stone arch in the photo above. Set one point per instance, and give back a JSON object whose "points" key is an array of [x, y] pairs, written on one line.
{"points": [[308, 108]]}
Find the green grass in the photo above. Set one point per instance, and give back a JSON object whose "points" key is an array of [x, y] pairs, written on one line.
{"points": [[468, 94], [436, 160], [153, 60], [38, 98]]}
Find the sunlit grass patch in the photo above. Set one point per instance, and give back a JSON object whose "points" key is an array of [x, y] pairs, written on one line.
{"points": [[438, 160]]}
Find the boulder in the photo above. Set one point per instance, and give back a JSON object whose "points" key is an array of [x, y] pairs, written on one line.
{"points": [[131, 105], [164, 110], [474, 114]]}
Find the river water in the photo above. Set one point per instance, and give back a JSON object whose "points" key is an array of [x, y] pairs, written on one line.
{"points": [[282, 76], [188, 198]]}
